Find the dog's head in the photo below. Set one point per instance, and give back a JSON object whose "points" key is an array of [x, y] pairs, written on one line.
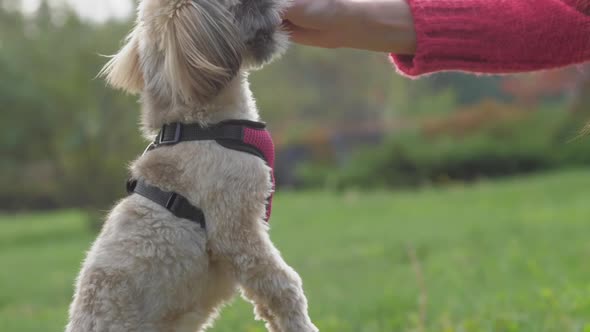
{"points": [[188, 50]]}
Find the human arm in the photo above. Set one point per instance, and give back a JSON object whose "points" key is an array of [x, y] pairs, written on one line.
{"points": [[425, 36], [375, 25]]}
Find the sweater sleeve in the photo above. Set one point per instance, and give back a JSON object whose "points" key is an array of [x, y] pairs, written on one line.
{"points": [[497, 36]]}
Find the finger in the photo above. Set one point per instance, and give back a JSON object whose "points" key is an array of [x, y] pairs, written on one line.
{"points": [[309, 37]]}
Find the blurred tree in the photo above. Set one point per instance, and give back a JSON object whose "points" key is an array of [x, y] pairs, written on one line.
{"points": [[581, 91], [66, 137], [469, 88], [317, 88]]}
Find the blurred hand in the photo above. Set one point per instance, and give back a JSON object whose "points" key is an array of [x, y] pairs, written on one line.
{"points": [[375, 25]]}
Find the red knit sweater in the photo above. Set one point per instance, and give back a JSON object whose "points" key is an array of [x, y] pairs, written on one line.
{"points": [[497, 36]]}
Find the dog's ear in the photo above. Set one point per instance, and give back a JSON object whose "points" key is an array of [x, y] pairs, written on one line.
{"points": [[123, 71], [203, 51]]}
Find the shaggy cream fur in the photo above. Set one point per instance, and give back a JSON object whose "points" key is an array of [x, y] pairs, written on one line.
{"points": [[149, 271]]}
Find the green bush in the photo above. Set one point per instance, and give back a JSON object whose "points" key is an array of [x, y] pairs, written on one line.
{"points": [[531, 142]]}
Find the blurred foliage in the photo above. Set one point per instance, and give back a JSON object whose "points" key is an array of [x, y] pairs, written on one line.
{"points": [[487, 140], [66, 138]]}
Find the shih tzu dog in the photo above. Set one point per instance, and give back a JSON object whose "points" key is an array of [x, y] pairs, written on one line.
{"points": [[194, 229]]}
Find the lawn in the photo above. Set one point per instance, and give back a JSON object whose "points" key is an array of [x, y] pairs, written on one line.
{"points": [[508, 256]]}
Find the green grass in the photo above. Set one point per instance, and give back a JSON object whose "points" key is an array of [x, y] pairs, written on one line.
{"points": [[509, 256]]}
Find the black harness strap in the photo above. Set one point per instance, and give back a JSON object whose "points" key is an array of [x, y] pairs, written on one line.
{"points": [[177, 204], [229, 134], [178, 132]]}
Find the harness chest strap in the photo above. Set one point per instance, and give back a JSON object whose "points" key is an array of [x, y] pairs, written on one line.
{"points": [[177, 204], [241, 135]]}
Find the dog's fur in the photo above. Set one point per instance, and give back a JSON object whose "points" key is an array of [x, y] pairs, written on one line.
{"points": [[149, 271]]}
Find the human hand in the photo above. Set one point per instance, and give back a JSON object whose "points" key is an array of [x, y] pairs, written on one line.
{"points": [[375, 25]]}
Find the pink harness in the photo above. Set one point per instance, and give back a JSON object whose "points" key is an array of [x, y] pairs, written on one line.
{"points": [[262, 141]]}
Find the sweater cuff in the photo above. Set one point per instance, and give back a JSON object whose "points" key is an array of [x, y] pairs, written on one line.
{"points": [[494, 37], [446, 39]]}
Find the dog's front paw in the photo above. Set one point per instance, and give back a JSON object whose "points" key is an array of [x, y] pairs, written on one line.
{"points": [[313, 328], [303, 327]]}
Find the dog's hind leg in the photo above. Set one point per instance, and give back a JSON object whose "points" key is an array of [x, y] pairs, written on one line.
{"points": [[147, 272]]}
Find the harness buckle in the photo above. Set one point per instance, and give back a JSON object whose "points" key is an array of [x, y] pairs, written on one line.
{"points": [[161, 140], [171, 201], [131, 185]]}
